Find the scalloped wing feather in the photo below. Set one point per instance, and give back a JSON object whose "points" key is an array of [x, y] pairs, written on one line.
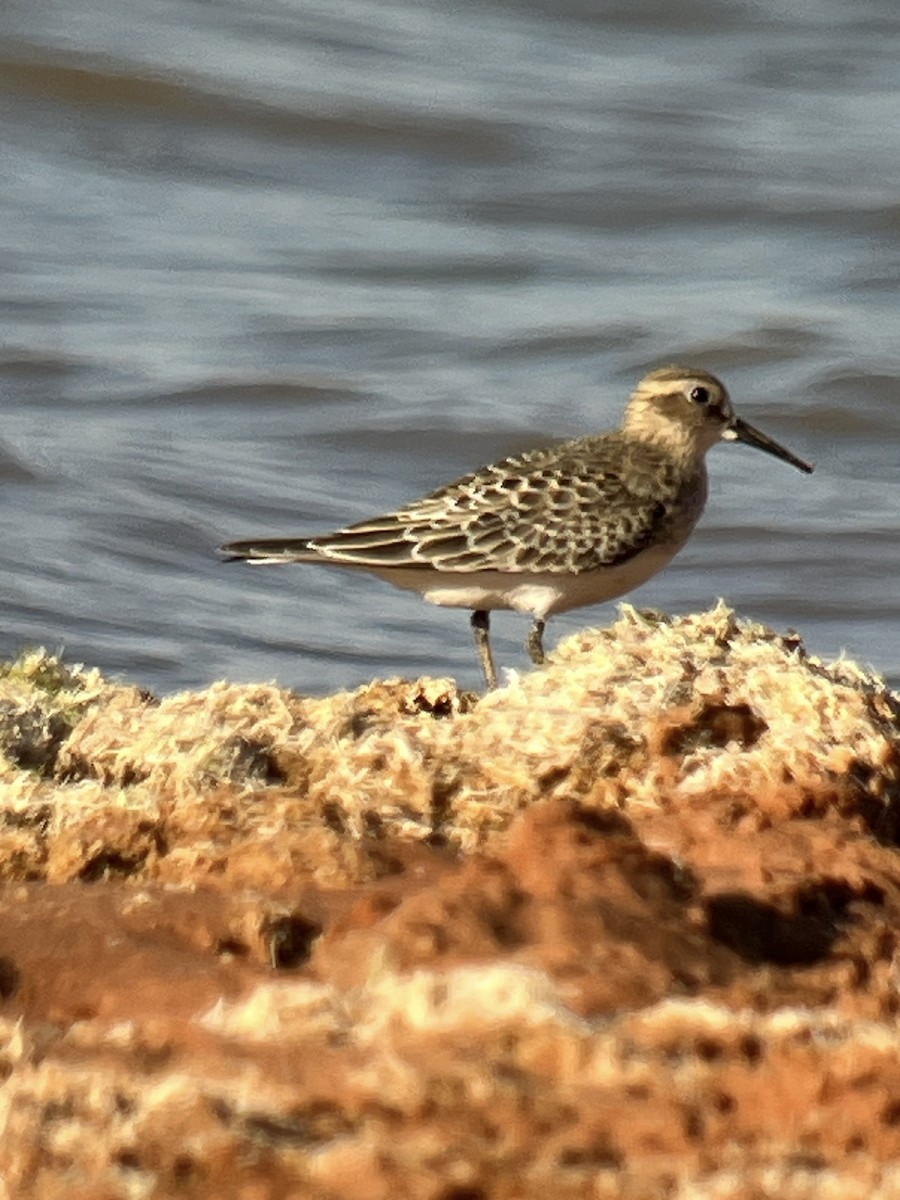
{"points": [[554, 510]]}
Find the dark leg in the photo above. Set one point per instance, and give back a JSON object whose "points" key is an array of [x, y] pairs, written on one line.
{"points": [[481, 627], [534, 643]]}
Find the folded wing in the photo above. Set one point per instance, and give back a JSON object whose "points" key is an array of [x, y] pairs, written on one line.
{"points": [[551, 510]]}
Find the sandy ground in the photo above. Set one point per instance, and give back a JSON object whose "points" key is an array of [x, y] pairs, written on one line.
{"points": [[626, 927]]}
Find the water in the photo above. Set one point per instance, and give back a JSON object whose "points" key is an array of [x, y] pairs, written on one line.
{"points": [[272, 266]]}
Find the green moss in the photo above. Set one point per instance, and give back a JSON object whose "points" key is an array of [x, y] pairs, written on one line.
{"points": [[43, 671], [41, 701]]}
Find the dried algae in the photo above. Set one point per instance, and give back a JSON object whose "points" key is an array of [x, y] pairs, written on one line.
{"points": [[625, 927]]}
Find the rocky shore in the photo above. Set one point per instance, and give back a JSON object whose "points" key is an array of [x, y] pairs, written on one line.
{"points": [[626, 927]]}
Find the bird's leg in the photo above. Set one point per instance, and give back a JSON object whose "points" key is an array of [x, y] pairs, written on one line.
{"points": [[534, 643], [481, 627]]}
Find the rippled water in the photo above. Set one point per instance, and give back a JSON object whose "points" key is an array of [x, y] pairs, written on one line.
{"points": [[276, 265]]}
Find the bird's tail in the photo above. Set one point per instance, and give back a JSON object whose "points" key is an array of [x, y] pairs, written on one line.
{"points": [[269, 550]]}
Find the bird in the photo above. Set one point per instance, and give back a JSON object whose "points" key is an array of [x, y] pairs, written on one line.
{"points": [[571, 524]]}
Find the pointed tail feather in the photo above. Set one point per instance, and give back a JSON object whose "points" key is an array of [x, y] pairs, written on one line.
{"points": [[371, 544], [269, 550]]}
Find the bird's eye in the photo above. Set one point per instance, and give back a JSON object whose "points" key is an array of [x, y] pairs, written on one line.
{"points": [[700, 395]]}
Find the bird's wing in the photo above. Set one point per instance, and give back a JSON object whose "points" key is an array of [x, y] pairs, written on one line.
{"points": [[547, 510]]}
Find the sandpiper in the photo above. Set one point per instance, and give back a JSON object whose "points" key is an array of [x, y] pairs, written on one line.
{"points": [[552, 529]]}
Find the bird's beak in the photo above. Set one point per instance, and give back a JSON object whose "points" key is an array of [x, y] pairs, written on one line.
{"points": [[739, 431]]}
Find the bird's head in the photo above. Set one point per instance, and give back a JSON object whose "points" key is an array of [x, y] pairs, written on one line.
{"points": [[687, 411]]}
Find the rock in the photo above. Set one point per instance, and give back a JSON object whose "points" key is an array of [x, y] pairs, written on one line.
{"points": [[626, 927]]}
